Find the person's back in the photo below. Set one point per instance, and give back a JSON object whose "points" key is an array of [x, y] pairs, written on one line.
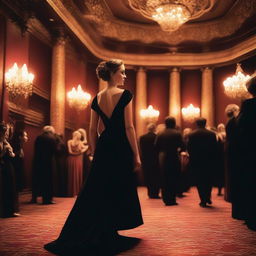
{"points": [[167, 145], [149, 160], [108, 200], [169, 141], [202, 149], [202, 146], [147, 146]]}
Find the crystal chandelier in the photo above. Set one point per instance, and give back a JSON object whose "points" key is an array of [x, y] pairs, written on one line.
{"points": [[171, 14], [19, 82], [78, 99], [150, 114], [190, 113], [234, 86]]}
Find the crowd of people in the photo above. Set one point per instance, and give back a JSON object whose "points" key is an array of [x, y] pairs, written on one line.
{"points": [[58, 168], [223, 157], [172, 161]]}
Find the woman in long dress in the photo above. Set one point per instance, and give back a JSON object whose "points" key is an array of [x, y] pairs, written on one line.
{"points": [[76, 148], [86, 154], [109, 201]]}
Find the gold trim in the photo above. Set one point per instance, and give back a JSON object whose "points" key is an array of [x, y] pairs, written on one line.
{"points": [[40, 92], [36, 28], [219, 58], [31, 117]]}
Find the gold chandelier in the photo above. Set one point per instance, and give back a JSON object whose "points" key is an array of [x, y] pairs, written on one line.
{"points": [[150, 114], [19, 82], [234, 86], [78, 99], [171, 14], [190, 113]]}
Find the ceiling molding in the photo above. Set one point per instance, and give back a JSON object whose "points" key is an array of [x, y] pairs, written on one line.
{"points": [[218, 58], [36, 28], [31, 117], [111, 27]]}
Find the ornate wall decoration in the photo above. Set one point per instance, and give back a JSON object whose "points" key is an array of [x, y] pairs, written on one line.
{"points": [[109, 26], [70, 17]]}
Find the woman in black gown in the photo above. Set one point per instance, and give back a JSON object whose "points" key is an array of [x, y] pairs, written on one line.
{"points": [[108, 201]]}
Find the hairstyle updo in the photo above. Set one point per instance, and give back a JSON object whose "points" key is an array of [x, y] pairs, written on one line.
{"points": [[105, 68]]}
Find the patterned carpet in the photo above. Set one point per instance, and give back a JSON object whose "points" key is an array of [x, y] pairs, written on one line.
{"points": [[182, 230]]}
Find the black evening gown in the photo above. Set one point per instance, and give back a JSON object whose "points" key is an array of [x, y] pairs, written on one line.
{"points": [[108, 200]]}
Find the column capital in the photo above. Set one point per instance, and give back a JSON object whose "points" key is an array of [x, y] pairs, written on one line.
{"points": [[203, 69], [174, 69], [140, 69], [59, 36]]}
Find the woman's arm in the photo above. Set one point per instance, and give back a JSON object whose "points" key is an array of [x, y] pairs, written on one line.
{"points": [[93, 136], [130, 133], [70, 151]]}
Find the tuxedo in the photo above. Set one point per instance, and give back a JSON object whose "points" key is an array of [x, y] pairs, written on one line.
{"points": [[246, 125], [149, 162], [44, 165], [202, 149], [167, 145]]}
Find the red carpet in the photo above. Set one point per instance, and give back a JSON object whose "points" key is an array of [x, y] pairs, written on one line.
{"points": [[182, 230]]}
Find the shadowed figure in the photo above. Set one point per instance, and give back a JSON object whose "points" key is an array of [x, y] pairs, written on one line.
{"points": [[202, 149], [168, 144], [246, 125], [149, 160]]}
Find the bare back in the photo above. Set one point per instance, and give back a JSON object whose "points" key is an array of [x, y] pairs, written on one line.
{"points": [[107, 100]]}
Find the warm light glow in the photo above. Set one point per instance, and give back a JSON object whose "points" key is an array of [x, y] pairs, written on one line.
{"points": [[190, 113], [19, 82], [171, 16], [150, 114], [78, 99], [234, 86]]}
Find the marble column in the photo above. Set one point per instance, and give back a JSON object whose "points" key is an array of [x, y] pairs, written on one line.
{"points": [[140, 100], [58, 86], [174, 95], [207, 97]]}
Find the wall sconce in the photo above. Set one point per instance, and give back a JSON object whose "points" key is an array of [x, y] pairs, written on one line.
{"points": [[234, 86], [150, 115], [190, 113], [78, 99], [19, 82]]}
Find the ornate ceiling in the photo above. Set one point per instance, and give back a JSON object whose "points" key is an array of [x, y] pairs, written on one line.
{"points": [[226, 22], [110, 28]]}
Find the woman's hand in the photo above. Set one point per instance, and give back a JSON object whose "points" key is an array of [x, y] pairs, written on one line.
{"points": [[137, 163]]}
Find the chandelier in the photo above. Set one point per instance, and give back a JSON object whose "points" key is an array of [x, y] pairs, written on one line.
{"points": [[19, 82], [78, 99], [150, 114], [234, 86], [171, 14], [190, 113]]}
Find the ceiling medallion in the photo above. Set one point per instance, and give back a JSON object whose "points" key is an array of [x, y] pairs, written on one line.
{"points": [[171, 14]]}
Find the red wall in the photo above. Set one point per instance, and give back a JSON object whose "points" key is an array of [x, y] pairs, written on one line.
{"points": [[190, 91], [158, 92], [75, 75], [40, 59]]}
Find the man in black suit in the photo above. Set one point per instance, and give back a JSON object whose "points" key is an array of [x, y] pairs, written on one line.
{"points": [[233, 190], [202, 149], [44, 165], [149, 161], [168, 145], [246, 125]]}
